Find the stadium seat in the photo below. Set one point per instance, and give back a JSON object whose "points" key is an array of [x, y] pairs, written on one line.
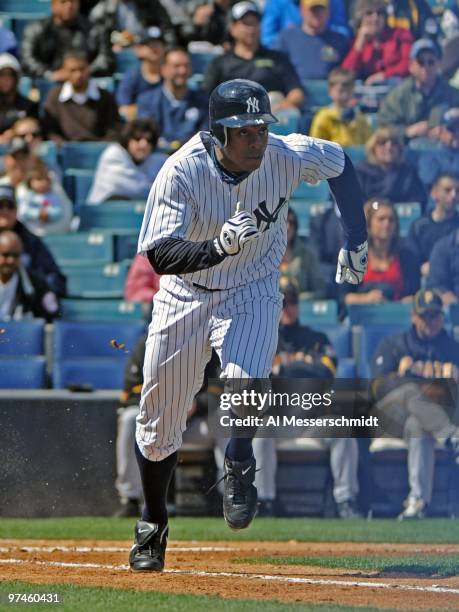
{"points": [[316, 92], [388, 313], [125, 244], [81, 248], [47, 152], [25, 6], [315, 193], [96, 373], [306, 209], [83, 155], [100, 310], [288, 123], [346, 368], [77, 184], [72, 340], [370, 337], [318, 312], [22, 372], [340, 337], [407, 213], [122, 215], [96, 280], [356, 153], [21, 338]]}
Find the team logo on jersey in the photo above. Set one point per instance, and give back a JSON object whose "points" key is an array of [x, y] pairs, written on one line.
{"points": [[263, 215], [253, 105]]}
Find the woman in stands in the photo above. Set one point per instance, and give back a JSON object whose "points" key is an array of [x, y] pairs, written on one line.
{"points": [[126, 170], [385, 173], [393, 271]]}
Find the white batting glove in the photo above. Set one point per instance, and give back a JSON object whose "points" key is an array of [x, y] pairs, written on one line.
{"points": [[352, 264], [237, 231]]}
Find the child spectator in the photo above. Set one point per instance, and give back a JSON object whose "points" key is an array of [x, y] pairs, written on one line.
{"points": [[342, 121], [42, 206]]}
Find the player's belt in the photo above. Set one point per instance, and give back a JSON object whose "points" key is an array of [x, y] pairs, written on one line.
{"points": [[204, 288]]}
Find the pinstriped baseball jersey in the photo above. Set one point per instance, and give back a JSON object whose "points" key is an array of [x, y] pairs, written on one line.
{"points": [[189, 200]]}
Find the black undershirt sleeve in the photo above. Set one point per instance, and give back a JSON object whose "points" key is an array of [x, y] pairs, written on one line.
{"points": [[349, 198], [175, 256]]}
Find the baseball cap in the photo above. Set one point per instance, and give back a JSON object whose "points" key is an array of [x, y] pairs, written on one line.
{"points": [[424, 44], [241, 9], [312, 3], [427, 300], [151, 33], [449, 117], [7, 193], [9, 61]]}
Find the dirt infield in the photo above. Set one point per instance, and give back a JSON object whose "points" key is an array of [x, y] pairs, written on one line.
{"points": [[212, 568]]}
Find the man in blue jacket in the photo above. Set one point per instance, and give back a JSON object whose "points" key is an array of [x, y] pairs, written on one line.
{"points": [[411, 407]]}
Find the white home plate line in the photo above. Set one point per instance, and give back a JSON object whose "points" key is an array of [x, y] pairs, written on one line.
{"points": [[289, 579], [113, 549]]}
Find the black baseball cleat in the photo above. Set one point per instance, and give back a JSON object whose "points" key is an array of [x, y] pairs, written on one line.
{"points": [[149, 549], [240, 500]]}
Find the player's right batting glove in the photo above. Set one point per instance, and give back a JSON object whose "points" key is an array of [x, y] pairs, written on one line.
{"points": [[352, 264], [236, 232]]}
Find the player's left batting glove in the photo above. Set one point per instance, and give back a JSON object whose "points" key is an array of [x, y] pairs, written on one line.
{"points": [[238, 230], [352, 264]]}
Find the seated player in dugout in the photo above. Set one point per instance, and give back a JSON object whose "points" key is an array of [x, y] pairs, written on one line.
{"points": [[215, 228]]}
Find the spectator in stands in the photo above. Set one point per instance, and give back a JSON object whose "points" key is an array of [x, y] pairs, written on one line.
{"points": [[43, 205], [45, 43], [413, 15], [12, 104], [178, 110], [247, 59], [378, 53], [408, 106], [8, 42], [29, 130], [426, 231], [127, 20], [407, 408], [78, 110], [207, 20], [300, 262], [385, 174], [393, 270], [17, 162], [312, 47], [23, 293], [35, 254], [126, 170], [303, 352], [142, 282], [443, 155], [444, 268], [144, 77], [342, 121]]}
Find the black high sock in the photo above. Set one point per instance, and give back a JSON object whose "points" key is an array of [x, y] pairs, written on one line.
{"points": [[239, 449], [155, 476]]}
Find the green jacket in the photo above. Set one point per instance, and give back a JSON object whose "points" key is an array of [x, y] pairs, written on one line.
{"points": [[406, 104]]}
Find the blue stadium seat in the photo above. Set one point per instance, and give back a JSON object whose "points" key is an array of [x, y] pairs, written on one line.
{"points": [[47, 152], [356, 153], [318, 312], [72, 340], [315, 193], [340, 337], [288, 123], [125, 244], [6, 22], [122, 215], [81, 248], [98, 373], [407, 213], [346, 368], [21, 337], [83, 155], [100, 310], [316, 92], [96, 280], [77, 184], [370, 337], [305, 209], [388, 313], [22, 372], [25, 6]]}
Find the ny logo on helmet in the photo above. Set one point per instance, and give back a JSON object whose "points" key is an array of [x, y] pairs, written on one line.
{"points": [[252, 105]]}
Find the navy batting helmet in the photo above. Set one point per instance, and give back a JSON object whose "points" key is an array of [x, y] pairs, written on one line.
{"points": [[237, 103]]}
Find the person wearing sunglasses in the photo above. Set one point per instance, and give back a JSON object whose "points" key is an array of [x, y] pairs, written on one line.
{"points": [[410, 104], [23, 293], [411, 407], [378, 53]]}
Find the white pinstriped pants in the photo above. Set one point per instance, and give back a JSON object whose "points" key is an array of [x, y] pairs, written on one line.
{"points": [[241, 324]]}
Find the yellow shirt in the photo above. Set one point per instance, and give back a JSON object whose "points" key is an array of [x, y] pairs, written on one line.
{"points": [[326, 124]]}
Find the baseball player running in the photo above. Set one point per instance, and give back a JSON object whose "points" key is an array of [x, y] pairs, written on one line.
{"points": [[215, 228]]}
